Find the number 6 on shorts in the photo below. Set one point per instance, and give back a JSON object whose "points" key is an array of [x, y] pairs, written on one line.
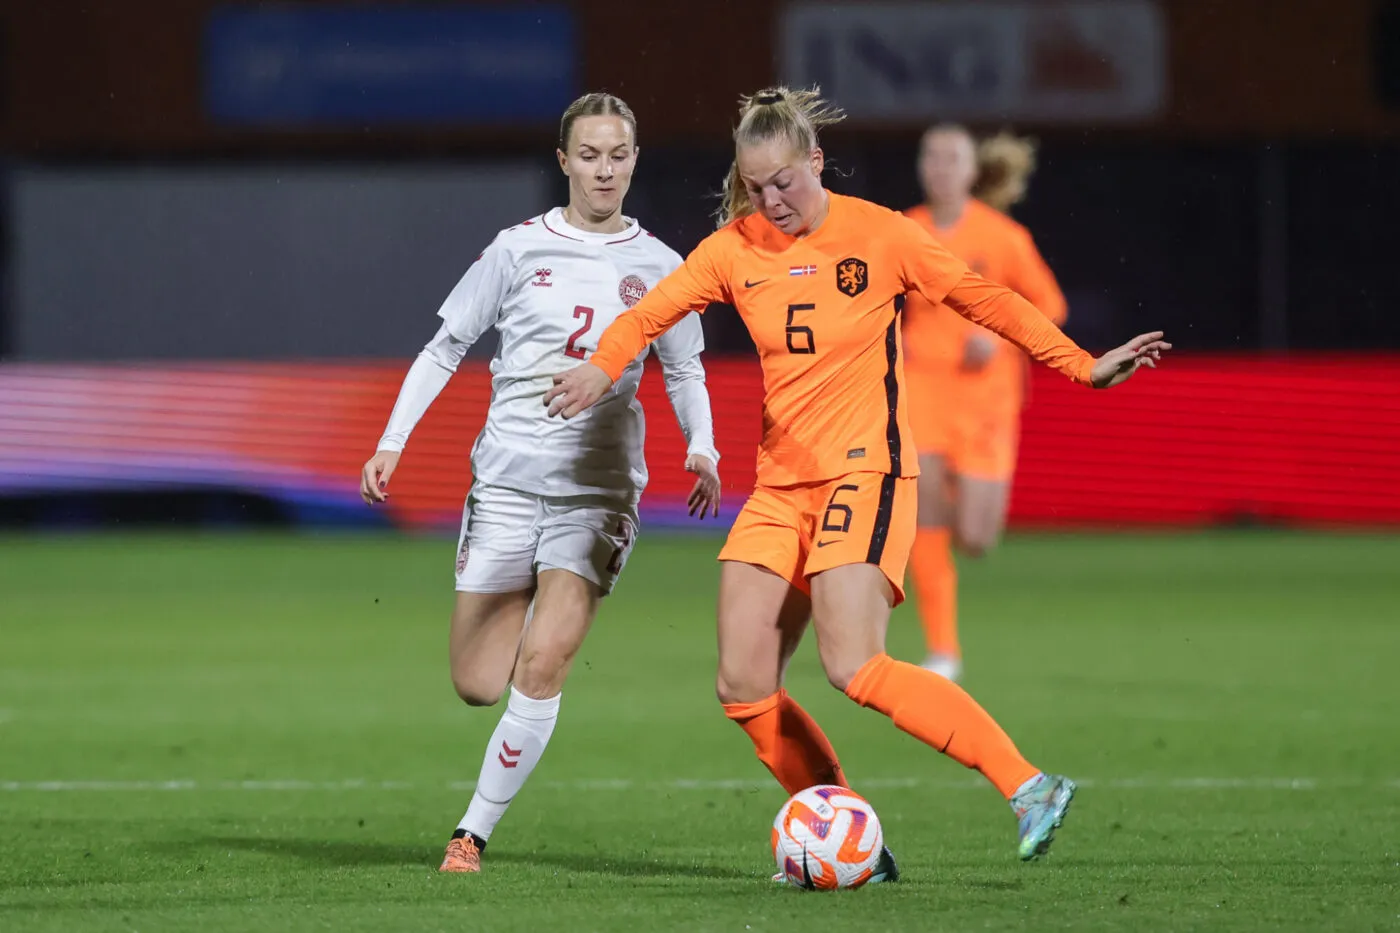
{"points": [[844, 511]]}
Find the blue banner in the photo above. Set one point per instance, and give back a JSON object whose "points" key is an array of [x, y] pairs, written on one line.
{"points": [[355, 66]]}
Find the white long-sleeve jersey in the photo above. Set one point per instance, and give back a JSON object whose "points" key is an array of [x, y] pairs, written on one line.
{"points": [[551, 289]]}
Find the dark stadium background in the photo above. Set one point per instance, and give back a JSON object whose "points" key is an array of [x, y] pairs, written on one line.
{"points": [[195, 185]]}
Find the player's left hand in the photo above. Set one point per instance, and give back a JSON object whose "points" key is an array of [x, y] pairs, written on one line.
{"points": [[705, 496], [576, 390], [1117, 365]]}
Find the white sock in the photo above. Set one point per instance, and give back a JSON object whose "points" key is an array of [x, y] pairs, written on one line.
{"points": [[514, 750]]}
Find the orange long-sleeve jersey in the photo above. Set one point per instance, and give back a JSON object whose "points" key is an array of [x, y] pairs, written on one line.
{"points": [[1000, 250], [824, 310]]}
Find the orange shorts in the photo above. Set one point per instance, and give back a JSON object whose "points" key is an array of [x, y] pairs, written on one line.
{"points": [[977, 433], [798, 531]]}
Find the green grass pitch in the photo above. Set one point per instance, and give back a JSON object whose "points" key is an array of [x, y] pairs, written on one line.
{"points": [[231, 732]]}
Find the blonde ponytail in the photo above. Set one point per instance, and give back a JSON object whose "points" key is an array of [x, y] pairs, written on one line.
{"points": [[734, 198], [773, 113], [1005, 163]]}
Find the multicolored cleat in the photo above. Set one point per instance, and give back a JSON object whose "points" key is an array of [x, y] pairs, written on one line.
{"points": [[1040, 810], [885, 869], [462, 856]]}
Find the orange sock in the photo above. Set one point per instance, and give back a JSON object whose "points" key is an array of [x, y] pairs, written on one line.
{"points": [[788, 741], [936, 589], [939, 713]]}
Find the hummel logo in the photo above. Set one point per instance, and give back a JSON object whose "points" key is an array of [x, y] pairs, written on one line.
{"points": [[748, 284], [514, 755]]}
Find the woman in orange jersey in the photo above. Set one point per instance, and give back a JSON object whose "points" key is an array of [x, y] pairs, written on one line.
{"points": [[966, 385], [819, 280]]}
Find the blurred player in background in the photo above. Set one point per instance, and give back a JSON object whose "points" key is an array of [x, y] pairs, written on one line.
{"points": [[819, 280], [967, 386], [552, 513]]}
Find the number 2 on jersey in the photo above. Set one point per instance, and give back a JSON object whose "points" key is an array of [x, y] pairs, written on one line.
{"points": [[587, 315]]}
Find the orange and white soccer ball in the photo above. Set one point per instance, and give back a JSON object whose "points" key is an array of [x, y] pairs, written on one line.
{"points": [[827, 837]]}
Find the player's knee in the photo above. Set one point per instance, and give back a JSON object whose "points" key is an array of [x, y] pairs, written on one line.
{"points": [[975, 540], [541, 670], [475, 691], [740, 687], [839, 677], [841, 671], [972, 547]]}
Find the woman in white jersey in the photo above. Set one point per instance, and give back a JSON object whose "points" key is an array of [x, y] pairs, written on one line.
{"points": [[552, 513]]}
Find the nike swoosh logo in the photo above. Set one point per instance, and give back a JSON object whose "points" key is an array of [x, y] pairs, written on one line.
{"points": [[825, 543], [748, 284]]}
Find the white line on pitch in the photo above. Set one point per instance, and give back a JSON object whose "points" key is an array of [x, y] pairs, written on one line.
{"points": [[690, 784]]}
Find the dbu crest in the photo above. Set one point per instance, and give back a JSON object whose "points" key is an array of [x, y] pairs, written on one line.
{"points": [[631, 290], [852, 276]]}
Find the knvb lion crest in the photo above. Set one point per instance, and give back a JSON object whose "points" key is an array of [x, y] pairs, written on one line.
{"points": [[852, 276]]}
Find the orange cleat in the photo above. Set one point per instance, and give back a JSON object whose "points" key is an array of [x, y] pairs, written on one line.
{"points": [[462, 856]]}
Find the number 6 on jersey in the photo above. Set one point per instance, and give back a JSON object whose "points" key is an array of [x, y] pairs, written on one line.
{"points": [[570, 349], [806, 341]]}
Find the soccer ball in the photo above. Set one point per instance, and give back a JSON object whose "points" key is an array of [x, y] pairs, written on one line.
{"points": [[827, 837]]}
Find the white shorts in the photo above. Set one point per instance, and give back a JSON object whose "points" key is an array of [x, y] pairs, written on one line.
{"points": [[508, 536]]}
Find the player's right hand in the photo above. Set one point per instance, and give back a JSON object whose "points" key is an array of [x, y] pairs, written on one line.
{"points": [[577, 390], [374, 478]]}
